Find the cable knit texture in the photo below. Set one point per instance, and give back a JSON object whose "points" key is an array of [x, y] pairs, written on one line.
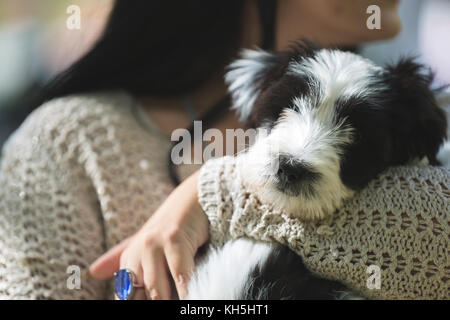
{"points": [[82, 173]]}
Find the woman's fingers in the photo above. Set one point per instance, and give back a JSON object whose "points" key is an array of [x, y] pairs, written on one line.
{"points": [[156, 277], [181, 265], [105, 266], [140, 294], [131, 261], [164, 248]]}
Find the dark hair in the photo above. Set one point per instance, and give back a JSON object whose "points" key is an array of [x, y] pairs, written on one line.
{"points": [[153, 47], [159, 48]]}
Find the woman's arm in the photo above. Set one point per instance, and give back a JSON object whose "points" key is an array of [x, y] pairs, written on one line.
{"points": [[164, 247], [398, 224]]}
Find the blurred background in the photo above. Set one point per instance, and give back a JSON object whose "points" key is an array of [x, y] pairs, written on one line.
{"points": [[35, 44]]}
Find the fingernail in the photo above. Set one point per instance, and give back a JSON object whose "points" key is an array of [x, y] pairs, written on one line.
{"points": [[182, 283], [153, 294], [86, 275]]}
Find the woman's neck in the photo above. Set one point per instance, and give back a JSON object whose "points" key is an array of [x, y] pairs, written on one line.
{"points": [[169, 113]]}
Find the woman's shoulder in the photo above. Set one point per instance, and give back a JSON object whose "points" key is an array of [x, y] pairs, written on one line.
{"points": [[61, 119], [79, 110], [96, 133]]}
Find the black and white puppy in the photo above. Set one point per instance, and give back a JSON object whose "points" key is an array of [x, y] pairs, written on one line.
{"points": [[334, 121]]}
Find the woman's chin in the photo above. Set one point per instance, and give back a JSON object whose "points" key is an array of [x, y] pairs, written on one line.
{"points": [[390, 28], [391, 25]]}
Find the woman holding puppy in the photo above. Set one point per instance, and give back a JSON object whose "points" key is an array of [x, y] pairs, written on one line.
{"points": [[87, 171]]}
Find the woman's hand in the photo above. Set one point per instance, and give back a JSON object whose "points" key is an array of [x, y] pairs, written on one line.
{"points": [[165, 246]]}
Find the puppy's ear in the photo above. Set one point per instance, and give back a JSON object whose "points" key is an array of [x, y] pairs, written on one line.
{"points": [[419, 124], [248, 76]]}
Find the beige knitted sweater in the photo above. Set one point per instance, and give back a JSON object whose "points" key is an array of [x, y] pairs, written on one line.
{"points": [[82, 173]]}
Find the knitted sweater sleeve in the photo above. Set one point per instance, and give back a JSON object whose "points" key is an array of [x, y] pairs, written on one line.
{"points": [[396, 229], [50, 220]]}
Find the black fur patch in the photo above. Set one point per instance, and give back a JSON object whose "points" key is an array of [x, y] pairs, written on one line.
{"points": [[278, 96], [399, 124], [278, 88], [284, 276]]}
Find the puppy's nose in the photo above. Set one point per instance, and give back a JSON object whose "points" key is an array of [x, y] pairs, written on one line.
{"points": [[292, 171]]}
